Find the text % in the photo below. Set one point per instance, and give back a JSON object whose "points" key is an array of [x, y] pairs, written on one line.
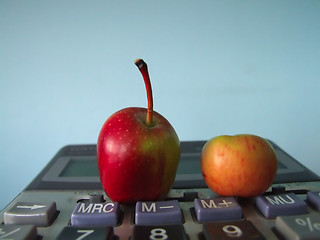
{"points": [[308, 223]]}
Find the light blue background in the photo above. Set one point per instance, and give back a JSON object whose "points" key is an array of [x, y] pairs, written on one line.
{"points": [[217, 67]]}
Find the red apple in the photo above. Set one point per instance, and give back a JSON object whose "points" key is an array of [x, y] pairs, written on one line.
{"points": [[138, 152], [241, 165]]}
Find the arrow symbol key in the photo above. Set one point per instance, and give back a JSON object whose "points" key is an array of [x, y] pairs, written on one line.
{"points": [[35, 206], [38, 214]]}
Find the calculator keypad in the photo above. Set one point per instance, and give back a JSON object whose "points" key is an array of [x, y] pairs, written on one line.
{"points": [[285, 215]]}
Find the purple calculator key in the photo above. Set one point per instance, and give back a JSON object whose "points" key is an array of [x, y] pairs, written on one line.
{"points": [[313, 198], [158, 213], [96, 214], [217, 209], [282, 204]]}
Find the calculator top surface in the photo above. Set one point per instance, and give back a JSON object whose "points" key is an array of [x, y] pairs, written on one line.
{"points": [[75, 164]]}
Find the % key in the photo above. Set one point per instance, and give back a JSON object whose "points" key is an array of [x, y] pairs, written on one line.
{"points": [[302, 227]]}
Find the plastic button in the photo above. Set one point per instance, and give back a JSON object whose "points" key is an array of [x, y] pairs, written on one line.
{"points": [[26, 232], [217, 209], [38, 214], [87, 233], [302, 227], [96, 214], [231, 230], [313, 198], [175, 232], [282, 204], [155, 213]]}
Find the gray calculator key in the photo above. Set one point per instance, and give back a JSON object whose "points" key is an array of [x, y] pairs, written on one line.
{"points": [[158, 213], [299, 227], [86, 233], [217, 209], [96, 214], [38, 214], [281, 204], [240, 230], [21, 232], [175, 232]]}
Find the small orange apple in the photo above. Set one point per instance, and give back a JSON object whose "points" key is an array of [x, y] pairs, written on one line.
{"points": [[241, 165]]}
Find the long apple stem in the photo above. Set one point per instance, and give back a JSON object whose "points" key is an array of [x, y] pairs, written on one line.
{"points": [[144, 71]]}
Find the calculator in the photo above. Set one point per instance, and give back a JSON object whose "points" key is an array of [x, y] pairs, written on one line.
{"points": [[66, 201]]}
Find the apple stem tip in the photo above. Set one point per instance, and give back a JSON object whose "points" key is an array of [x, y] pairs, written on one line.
{"points": [[144, 71], [140, 63]]}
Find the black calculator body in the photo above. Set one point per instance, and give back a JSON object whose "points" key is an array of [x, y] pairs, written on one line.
{"points": [[66, 201]]}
